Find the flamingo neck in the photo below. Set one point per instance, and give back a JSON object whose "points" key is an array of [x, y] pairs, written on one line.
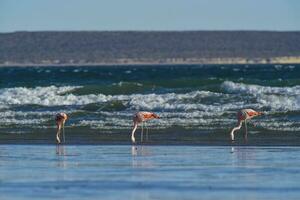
{"points": [[234, 129], [132, 133]]}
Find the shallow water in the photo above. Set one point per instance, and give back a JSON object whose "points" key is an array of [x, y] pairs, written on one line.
{"points": [[148, 172]]}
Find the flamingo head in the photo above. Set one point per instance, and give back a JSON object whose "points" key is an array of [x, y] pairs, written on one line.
{"points": [[155, 116], [260, 113]]}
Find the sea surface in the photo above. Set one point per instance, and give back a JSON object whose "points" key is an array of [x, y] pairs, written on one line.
{"points": [[114, 172], [203, 99], [196, 103]]}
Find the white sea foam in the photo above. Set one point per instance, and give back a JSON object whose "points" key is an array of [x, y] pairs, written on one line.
{"points": [[197, 109], [51, 95], [242, 88], [22, 121], [120, 123], [55, 96], [123, 120], [276, 98], [9, 113], [36, 118], [279, 125], [178, 109]]}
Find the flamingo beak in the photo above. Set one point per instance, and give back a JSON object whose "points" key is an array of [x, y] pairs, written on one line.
{"points": [[157, 117]]}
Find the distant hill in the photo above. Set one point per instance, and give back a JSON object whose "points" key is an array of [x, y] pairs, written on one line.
{"points": [[153, 47]]}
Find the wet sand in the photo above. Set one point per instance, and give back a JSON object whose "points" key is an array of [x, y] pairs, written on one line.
{"points": [[75, 136]]}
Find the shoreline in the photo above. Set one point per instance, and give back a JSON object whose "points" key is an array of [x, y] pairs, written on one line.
{"points": [[166, 62], [160, 137]]}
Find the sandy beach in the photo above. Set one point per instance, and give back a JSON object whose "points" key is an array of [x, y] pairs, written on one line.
{"points": [[170, 61]]}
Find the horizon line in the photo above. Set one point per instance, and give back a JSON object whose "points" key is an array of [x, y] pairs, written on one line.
{"points": [[188, 30]]}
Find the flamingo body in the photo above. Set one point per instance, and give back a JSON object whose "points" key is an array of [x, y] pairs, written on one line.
{"points": [[141, 117], [242, 116], [60, 119], [246, 114]]}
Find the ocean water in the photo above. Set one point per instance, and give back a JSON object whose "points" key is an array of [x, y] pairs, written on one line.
{"points": [[196, 103], [103, 99], [148, 172]]}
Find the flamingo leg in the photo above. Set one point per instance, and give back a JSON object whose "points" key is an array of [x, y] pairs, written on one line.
{"points": [[58, 134], [57, 149], [60, 150], [63, 132], [246, 132], [142, 133], [147, 130]]}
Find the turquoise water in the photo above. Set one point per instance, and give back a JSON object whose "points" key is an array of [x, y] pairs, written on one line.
{"points": [[201, 98], [148, 172]]}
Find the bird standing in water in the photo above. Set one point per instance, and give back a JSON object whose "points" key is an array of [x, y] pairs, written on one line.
{"points": [[242, 116], [60, 119], [141, 117]]}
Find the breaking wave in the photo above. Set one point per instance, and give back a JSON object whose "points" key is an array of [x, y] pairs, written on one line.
{"points": [[194, 97], [273, 98]]}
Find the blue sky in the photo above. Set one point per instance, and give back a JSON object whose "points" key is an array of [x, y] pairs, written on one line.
{"points": [[28, 15]]}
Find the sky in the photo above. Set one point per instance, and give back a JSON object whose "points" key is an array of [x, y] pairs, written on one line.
{"points": [[103, 15]]}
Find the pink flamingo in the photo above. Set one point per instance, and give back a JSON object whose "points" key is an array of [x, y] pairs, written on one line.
{"points": [[141, 117], [242, 116], [60, 119]]}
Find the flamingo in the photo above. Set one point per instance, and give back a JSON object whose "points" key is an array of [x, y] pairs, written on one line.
{"points": [[242, 116], [141, 117], [60, 119]]}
